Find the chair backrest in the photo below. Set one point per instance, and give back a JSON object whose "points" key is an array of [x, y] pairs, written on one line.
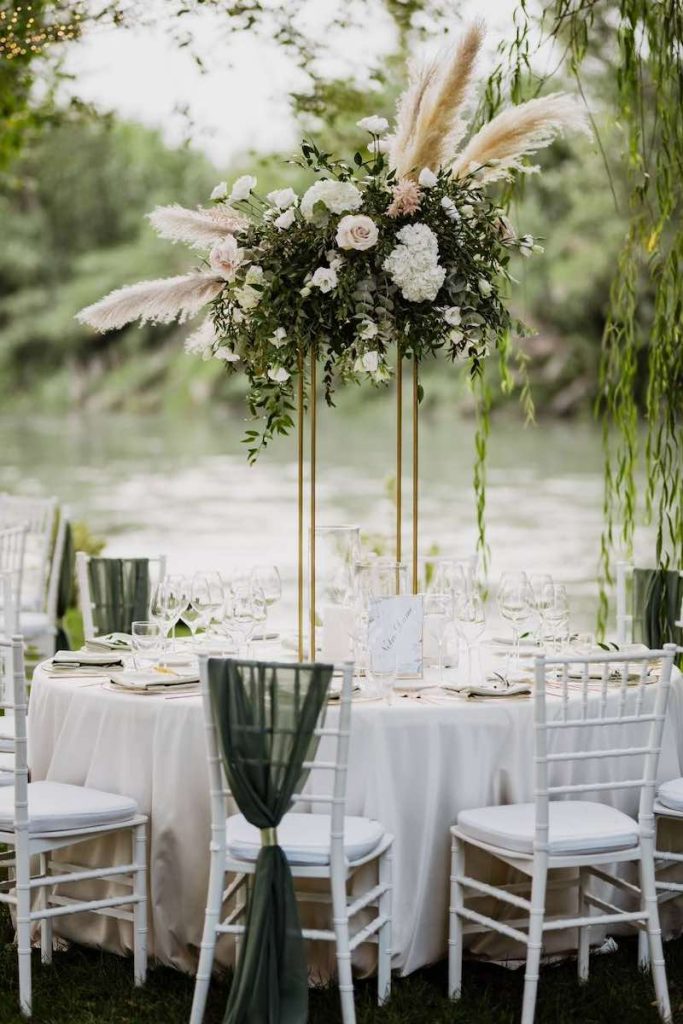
{"points": [[13, 699], [113, 592], [333, 728], [649, 605], [631, 691], [39, 515], [12, 554]]}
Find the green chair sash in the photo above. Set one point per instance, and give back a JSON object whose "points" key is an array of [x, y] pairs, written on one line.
{"points": [[657, 596], [119, 590], [65, 589], [266, 714]]}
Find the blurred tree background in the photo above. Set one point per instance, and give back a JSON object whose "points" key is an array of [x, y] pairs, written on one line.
{"points": [[75, 185]]}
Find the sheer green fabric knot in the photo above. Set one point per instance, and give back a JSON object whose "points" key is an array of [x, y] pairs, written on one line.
{"points": [[269, 837]]}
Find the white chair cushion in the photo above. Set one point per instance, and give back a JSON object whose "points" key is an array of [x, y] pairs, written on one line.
{"points": [[305, 838], [6, 769], [575, 826], [671, 794], [57, 807], [33, 624]]}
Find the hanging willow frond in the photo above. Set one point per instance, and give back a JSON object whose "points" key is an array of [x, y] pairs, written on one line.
{"points": [[160, 301], [500, 146], [198, 227]]}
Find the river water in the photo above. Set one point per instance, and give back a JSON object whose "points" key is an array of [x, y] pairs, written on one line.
{"points": [[181, 486]]}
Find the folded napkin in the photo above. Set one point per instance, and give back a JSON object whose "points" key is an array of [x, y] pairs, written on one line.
{"points": [[334, 692], [65, 660], [152, 680], [487, 691], [109, 642]]}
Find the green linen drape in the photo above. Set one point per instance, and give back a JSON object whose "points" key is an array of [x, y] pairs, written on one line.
{"points": [[65, 589], [265, 715], [657, 596], [119, 589]]}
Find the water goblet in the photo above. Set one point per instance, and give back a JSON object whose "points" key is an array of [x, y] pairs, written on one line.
{"points": [[514, 604], [470, 622], [538, 583], [438, 613], [208, 598], [267, 578], [557, 613]]}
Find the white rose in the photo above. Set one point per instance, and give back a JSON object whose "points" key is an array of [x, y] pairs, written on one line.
{"points": [[254, 274], [226, 354], [368, 362], [467, 211], [427, 178], [278, 374], [375, 125], [225, 258], [282, 198], [279, 337], [337, 196], [485, 287], [368, 330], [220, 191], [452, 316], [356, 231], [285, 220], [450, 208], [242, 187], [324, 278]]}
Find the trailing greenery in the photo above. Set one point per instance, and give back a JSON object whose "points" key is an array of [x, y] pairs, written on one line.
{"points": [[641, 370]]}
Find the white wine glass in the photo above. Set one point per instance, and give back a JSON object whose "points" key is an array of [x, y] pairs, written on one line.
{"points": [[470, 622], [514, 604], [438, 613], [267, 578]]}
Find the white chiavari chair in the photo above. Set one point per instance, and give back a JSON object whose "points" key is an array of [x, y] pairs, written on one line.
{"points": [[39, 818], [157, 571], [12, 554], [585, 728], [322, 846], [39, 515]]}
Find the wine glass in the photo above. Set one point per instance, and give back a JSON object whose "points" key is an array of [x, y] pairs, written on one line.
{"points": [[557, 612], [208, 597], [470, 622], [175, 596], [192, 615], [514, 604], [438, 612], [539, 583], [160, 612], [267, 578]]}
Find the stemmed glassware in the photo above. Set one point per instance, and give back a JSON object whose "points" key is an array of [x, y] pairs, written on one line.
{"points": [[207, 597], [515, 604], [438, 614], [539, 584], [556, 612], [267, 578], [166, 604], [470, 622]]}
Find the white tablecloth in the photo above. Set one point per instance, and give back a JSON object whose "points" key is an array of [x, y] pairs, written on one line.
{"points": [[413, 766]]}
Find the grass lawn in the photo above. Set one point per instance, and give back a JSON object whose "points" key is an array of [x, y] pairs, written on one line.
{"points": [[88, 987]]}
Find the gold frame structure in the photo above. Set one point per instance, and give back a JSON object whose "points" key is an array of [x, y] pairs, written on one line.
{"points": [[313, 459]]}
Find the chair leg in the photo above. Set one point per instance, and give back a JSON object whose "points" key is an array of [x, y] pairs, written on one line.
{"points": [[241, 901], [584, 930], [535, 943], [384, 948], [649, 893], [455, 943], [139, 843], [341, 931], [46, 923], [643, 950], [24, 933], [214, 899]]}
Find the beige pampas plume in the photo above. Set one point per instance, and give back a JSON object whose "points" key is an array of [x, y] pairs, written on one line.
{"points": [[197, 227], [500, 146], [160, 301], [429, 122]]}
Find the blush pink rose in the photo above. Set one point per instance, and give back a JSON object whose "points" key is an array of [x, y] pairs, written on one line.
{"points": [[356, 231]]}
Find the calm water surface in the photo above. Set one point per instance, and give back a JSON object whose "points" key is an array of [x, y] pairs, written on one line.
{"points": [[181, 486]]}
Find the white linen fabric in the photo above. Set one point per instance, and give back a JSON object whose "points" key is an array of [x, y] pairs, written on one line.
{"points": [[414, 766], [56, 807], [575, 826], [305, 838]]}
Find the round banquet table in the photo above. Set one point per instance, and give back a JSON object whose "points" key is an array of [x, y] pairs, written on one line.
{"points": [[414, 765]]}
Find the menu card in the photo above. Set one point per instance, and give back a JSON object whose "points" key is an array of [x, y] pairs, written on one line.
{"points": [[395, 633]]}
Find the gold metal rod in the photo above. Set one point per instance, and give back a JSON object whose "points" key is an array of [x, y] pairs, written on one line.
{"points": [[301, 412], [399, 463], [416, 459], [314, 453]]}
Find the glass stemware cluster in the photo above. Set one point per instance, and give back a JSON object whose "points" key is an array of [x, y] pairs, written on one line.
{"points": [[537, 602]]}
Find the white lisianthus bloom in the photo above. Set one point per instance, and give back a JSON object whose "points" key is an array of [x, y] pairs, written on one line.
{"points": [[282, 198], [324, 278], [226, 354], [254, 274], [452, 316], [456, 337], [336, 196], [467, 211], [485, 287], [449, 208], [369, 362], [279, 337], [278, 374], [242, 188], [368, 330], [220, 191], [375, 125], [414, 264], [427, 178], [379, 146], [226, 257], [285, 220], [356, 231]]}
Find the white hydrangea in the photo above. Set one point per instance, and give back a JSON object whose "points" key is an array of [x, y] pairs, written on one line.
{"points": [[414, 264], [337, 196]]}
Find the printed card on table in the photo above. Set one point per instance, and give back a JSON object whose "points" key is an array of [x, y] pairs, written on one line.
{"points": [[395, 630]]}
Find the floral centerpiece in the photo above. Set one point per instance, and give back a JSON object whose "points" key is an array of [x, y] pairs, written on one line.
{"points": [[399, 248]]}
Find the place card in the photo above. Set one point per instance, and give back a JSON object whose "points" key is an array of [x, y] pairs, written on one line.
{"points": [[395, 630]]}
